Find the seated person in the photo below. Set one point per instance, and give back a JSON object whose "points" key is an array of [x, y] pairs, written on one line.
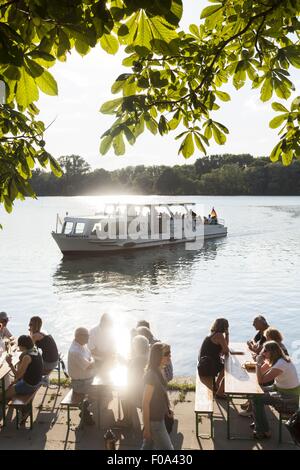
{"points": [[136, 368], [81, 365], [45, 343], [28, 374], [2, 342], [145, 331], [286, 388], [256, 344], [4, 332], [210, 364], [81, 368], [102, 343], [271, 334], [143, 323]]}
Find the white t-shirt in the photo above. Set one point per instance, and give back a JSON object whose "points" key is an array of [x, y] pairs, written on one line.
{"points": [[102, 340], [79, 359], [289, 377]]}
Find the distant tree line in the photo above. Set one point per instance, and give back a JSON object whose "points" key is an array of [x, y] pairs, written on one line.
{"points": [[212, 175]]}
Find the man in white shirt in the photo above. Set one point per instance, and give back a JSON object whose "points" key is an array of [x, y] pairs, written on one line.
{"points": [[81, 365], [102, 343]]}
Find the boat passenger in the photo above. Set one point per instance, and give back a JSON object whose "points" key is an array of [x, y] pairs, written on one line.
{"points": [[210, 363], [156, 404], [45, 343], [283, 395]]}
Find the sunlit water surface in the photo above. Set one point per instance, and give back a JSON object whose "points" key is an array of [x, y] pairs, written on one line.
{"points": [[254, 270]]}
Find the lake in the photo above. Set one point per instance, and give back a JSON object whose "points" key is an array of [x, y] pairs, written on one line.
{"points": [[255, 270]]}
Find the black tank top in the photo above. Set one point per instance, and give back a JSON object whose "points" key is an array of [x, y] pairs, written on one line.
{"points": [[48, 348], [210, 349], [33, 374]]}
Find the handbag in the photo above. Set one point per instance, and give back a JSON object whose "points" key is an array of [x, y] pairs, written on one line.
{"points": [[169, 422]]}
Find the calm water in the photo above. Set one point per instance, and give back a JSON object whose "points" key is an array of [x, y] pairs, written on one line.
{"points": [[254, 270]]}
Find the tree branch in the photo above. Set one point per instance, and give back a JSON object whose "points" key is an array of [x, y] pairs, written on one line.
{"points": [[218, 53]]}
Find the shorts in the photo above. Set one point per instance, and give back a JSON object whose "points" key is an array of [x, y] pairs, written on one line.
{"points": [[207, 367], [82, 385], [23, 388]]}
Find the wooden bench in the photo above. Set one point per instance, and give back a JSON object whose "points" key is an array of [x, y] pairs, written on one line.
{"points": [[285, 414], [204, 405], [71, 400], [19, 402]]}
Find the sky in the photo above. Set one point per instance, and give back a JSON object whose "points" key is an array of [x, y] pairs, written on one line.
{"points": [[84, 84]]}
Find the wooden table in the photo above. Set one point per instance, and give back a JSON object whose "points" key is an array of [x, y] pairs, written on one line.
{"points": [[239, 383], [4, 371], [113, 379]]}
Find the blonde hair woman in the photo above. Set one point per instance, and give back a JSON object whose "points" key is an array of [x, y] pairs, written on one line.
{"points": [[286, 386], [271, 334]]}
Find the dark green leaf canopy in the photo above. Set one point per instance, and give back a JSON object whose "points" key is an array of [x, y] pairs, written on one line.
{"points": [[175, 77]]}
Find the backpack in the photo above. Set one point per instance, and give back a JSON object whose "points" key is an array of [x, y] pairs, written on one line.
{"points": [[293, 425]]}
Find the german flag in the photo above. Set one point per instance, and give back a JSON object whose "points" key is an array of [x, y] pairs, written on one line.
{"points": [[213, 213]]}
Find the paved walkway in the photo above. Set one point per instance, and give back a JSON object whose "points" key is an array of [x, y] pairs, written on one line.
{"points": [[50, 429]]}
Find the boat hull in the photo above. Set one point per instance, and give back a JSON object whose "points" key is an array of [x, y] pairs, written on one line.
{"points": [[74, 245]]}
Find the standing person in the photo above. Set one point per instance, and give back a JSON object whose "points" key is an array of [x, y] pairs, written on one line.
{"points": [[81, 368], [210, 363], [45, 343], [260, 324], [102, 343], [156, 404], [286, 388], [4, 332]]}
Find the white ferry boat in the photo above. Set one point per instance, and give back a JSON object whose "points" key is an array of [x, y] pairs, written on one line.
{"points": [[122, 227]]}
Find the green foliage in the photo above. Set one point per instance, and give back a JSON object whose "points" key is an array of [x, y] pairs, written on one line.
{"points": [[236, 41], [33, 36], [175, 79]]}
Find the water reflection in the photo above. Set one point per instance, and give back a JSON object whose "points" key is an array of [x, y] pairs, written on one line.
{"points": [[132, 270]]}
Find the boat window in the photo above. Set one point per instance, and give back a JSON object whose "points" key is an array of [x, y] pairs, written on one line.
{"points": [[79, 228], [68, 228]]}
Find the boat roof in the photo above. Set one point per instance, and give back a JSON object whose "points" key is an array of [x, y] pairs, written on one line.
{"points": [[102, 214], [149, 204]]}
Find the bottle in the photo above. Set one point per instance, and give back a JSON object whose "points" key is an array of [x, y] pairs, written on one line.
{"points": [[110, 440]]}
